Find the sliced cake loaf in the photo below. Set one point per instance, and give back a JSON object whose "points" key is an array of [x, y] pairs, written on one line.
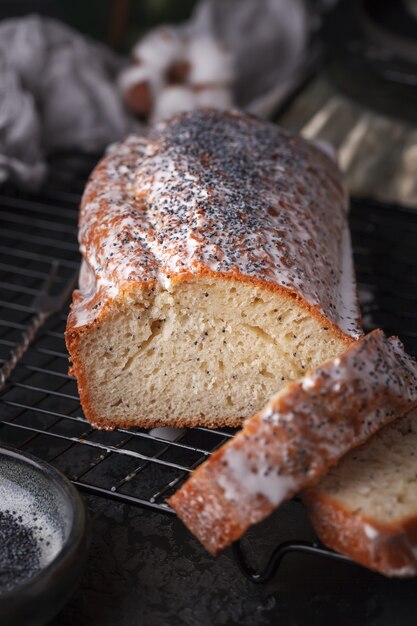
{"points": [[217, 267], [296, 437], [366, 506]]}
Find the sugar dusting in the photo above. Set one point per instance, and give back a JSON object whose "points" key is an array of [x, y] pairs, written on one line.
{"points": [[370, 531], [17, 500]]}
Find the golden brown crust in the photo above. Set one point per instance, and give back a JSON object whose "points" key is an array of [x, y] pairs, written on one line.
{"points": [[294, 440], [141, 422], [389, 549]]}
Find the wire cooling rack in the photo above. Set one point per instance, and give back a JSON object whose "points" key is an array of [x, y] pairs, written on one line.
{"points": [[39, 407]]}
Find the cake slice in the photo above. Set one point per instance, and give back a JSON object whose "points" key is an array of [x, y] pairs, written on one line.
{"points": [[296, 437], [217, 267], [366, 506]]}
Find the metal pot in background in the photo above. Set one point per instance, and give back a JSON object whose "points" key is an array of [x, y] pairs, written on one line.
{"points": [[364, 101]]}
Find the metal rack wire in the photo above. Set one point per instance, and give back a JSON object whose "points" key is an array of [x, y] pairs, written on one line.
{"points": [[39, 408]]}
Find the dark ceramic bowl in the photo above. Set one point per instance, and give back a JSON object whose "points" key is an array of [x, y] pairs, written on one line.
{"points": [[37, 491]]}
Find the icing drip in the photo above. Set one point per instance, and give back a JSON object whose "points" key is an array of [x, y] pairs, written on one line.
{"points": [[257, 479]]}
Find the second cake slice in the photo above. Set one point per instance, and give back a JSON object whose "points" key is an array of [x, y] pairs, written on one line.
{"points": [[366, 506]]}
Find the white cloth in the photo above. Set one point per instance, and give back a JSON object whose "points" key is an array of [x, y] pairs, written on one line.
{"points": [[57, 93], [270, 43]]}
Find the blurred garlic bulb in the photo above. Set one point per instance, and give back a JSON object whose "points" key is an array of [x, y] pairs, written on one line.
{"points": [[210, 63], [176, 71], [173, 99]]}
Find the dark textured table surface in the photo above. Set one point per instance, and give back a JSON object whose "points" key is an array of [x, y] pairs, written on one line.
{"points": [[145, 568]]}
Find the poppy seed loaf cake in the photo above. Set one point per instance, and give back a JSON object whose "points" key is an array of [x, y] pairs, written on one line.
{"points": [[366, 507], [296, 437], [217, 267]]}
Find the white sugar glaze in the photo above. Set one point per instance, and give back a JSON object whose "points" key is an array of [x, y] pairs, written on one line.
{"points": [[244, 478], [364, 365], [225, 193], [370, 531]]}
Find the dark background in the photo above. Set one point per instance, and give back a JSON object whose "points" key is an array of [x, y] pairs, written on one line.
{"points": [[117, 23], [144, 567]]}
